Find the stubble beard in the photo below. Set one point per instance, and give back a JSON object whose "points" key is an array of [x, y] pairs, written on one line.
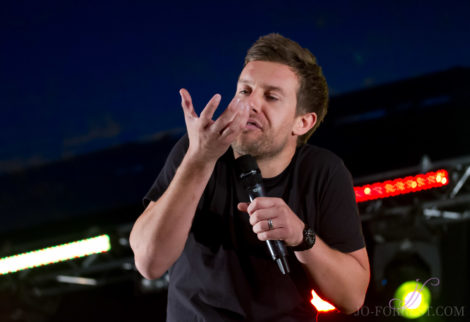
{"points": [[260, 147]]}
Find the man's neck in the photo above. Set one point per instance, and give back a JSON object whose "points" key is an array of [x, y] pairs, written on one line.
{"points": [[271, 166], [274, 165]]}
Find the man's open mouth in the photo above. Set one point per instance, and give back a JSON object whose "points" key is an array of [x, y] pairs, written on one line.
{"points": [[253, 124]]}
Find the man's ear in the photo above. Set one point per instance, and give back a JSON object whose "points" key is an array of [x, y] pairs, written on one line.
{"points": [[304, 123]]}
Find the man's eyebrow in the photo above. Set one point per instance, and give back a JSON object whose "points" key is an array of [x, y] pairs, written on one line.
{"points": [[265, 86], [244, 81]]}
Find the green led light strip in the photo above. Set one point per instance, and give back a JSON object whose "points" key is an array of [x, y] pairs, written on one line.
{"points": [[54, 254]]}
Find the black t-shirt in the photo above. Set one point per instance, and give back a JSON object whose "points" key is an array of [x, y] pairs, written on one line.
{"points": [[225, 273]]}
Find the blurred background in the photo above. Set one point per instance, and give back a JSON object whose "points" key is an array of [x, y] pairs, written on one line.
{"points": [[90, 109]]}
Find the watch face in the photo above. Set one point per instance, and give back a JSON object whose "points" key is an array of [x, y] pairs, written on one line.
{"points": [[307, 242], [309, 236]]}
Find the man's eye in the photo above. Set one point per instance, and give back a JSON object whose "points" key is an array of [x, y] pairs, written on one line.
{"points": [[271, 98], [243, 91]]}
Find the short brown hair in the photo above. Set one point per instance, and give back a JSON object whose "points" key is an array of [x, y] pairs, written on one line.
{"points": [[313, 90]]}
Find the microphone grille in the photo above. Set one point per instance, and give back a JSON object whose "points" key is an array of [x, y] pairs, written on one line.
{"points": [[246, 164]]}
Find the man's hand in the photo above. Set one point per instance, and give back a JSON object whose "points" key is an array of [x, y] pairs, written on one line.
{"points": [[286, 225], [209, 139]]}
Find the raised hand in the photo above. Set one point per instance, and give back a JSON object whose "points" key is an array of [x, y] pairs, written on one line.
{"points": [[209, 139]]}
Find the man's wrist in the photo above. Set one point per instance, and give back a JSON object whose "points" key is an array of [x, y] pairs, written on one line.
{"points": [[198, 164], [308, 240]]}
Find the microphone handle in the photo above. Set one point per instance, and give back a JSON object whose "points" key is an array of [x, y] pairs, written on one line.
{"points": [[277, 248]]}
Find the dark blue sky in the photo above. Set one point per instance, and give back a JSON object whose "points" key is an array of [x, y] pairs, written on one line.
{"points": [[77, 77]]}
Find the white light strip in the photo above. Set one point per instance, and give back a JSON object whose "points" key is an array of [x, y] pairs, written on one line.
{"points": [[55, 254], [76, 280]]}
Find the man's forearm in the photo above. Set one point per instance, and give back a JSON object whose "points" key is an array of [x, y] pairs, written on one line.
{"points": [[160, 233], [342, 278]]}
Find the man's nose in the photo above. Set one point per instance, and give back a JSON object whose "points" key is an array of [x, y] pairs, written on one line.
{"points": [[254, 102]]}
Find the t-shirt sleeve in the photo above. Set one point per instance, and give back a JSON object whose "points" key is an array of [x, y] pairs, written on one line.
{"points": [[340, 224], [168, 171]]}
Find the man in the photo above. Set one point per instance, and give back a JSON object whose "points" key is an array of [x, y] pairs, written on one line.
{"points": [[199, 225]]}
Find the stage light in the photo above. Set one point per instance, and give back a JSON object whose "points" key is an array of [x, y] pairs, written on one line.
{"points": [[406, 275], [156, 285], [400, 186], [412, 299], [320, 304], [54, 254]]}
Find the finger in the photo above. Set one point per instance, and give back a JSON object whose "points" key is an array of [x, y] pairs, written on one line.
{"points": [[187, 103], [262, 203], [275, 234], [264, 225], [230, 132], [224, 121], [211, 106], [234, 128], [243, 206], [261, 215], [231, 113], [259, 227]]}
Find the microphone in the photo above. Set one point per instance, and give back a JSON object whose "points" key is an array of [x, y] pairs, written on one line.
{"points": [[250, 177]]}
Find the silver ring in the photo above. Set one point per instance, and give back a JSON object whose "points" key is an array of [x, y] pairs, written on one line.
{"points": [[270, 224]]}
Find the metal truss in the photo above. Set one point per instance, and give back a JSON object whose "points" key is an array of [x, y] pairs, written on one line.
{"points": [[406, 230], [438, 206]]}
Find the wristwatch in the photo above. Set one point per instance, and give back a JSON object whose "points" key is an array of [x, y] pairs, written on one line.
{"points": [[307, 242]]}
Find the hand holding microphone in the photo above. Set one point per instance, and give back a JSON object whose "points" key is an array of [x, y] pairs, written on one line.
{"points": [[251, 179]]}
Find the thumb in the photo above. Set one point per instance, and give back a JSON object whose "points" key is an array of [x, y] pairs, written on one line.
{"points": [[243, 206]]}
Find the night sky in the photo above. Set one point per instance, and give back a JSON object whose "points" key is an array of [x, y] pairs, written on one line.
{"points": [[80, 76]]}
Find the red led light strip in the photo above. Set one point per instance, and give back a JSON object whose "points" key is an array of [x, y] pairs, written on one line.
{"points": [[400, 186]]}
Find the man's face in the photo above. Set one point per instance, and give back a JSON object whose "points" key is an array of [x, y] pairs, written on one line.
{"points": [[270, 89]]}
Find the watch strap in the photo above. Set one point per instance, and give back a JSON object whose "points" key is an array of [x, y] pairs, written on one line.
{"points": [[308, 240]]}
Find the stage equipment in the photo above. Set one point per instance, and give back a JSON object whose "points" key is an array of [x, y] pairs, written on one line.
{"points": [[399, 186], [320, 304], [412, 299], [404, 220], [54, 254]]}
